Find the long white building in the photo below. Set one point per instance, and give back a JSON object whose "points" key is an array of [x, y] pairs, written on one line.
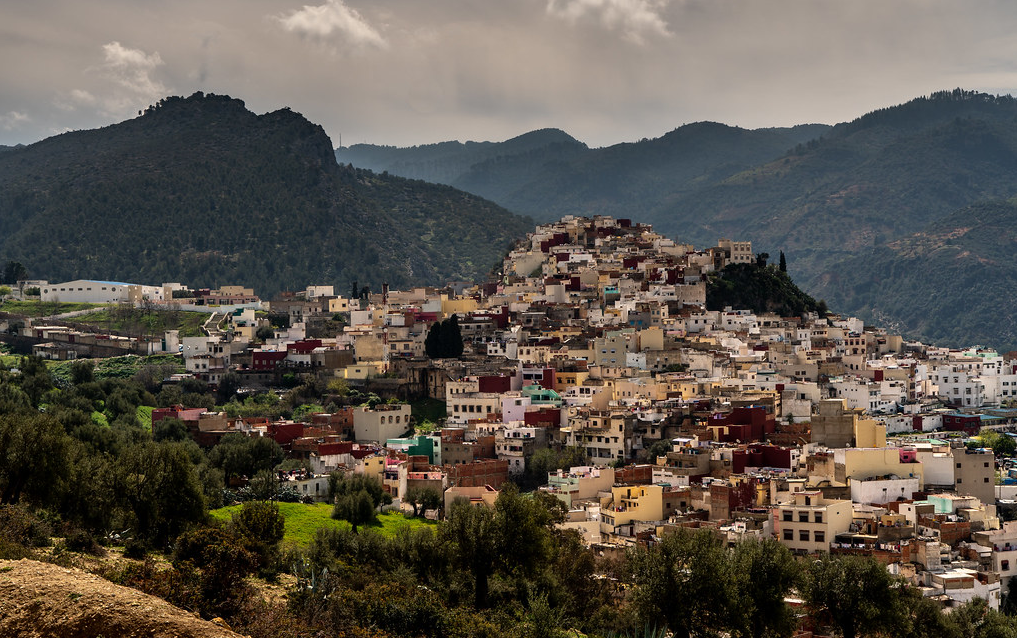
{"points": [[94, 291]]}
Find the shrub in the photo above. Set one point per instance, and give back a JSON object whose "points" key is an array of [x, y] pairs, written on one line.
{"points": [[224, 562], [83, 541], [135, 549]]}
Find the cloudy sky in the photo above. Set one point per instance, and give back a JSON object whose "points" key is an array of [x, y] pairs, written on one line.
{"points": [[409, 72]]}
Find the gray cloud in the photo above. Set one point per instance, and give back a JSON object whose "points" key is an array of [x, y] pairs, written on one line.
{"points": [[12, 120], [332, 22], [411, 72], [635, 19]]}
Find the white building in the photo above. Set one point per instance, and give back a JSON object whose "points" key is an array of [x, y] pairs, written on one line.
{"points": [[94, 291]]}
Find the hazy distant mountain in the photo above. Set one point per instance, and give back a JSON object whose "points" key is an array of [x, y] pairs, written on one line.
{"points": [[201, 190], [446, 162], [548, 174]]}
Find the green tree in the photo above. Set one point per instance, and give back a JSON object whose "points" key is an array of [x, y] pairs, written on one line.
{"points": [[414, 497], [264, 486], [686, 566], [783, 262], [357, 508], [227, 387], [1002, 444], [160, 489], [764, 573], [240, 455], [262, 526], [857, 593], [525, 529], [475, 535], [33, 457], [659, 448], [444, 340], [357, 498], [170, 429], [224, 562], [13, 272], [82, 372]]}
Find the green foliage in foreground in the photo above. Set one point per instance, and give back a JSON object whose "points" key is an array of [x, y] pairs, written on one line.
{"points": [[304, 520]]}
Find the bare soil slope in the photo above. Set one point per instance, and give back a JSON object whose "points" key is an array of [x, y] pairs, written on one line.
{"points": [[40, 599]]}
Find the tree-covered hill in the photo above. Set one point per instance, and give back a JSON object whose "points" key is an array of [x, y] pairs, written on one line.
{"points": [[951, 283], [867, 182], [760, 288], [203, 191]]}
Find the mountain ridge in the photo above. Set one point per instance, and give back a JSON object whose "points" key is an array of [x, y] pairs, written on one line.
{"points": [[200, 189]]}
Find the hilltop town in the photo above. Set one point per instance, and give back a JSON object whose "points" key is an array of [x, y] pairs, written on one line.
{"points": [[593, 368]]}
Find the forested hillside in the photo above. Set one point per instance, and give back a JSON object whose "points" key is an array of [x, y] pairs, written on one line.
{"points": [[949, 282], [865, 183], [201, 190]]}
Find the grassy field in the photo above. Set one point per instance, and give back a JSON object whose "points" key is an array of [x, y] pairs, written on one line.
{"points": [[43, 308], [302, 521], [145, 416], [137, 321], [123, 367]]}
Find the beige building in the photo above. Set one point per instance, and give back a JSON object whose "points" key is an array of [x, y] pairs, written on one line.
{"points": [[975, 473], [381, 423], [606, 435], [630, 504], [835, 426], [579, 483], [809, 523]]}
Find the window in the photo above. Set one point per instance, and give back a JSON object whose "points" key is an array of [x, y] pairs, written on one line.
{"points": [[985, 480], [789, 535], [819, 517], [803, 517], [787, 516], [803, 535], [958, 481], [1005, 565], [958, 466], [820, 537]]}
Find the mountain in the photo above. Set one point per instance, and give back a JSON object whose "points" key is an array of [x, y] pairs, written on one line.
{"points": [[548, 174], [865, 183], [446, 162], [949, 283], [203, 191]]}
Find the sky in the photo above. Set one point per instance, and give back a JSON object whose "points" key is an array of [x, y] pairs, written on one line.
{"points": [[407, 72]]}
